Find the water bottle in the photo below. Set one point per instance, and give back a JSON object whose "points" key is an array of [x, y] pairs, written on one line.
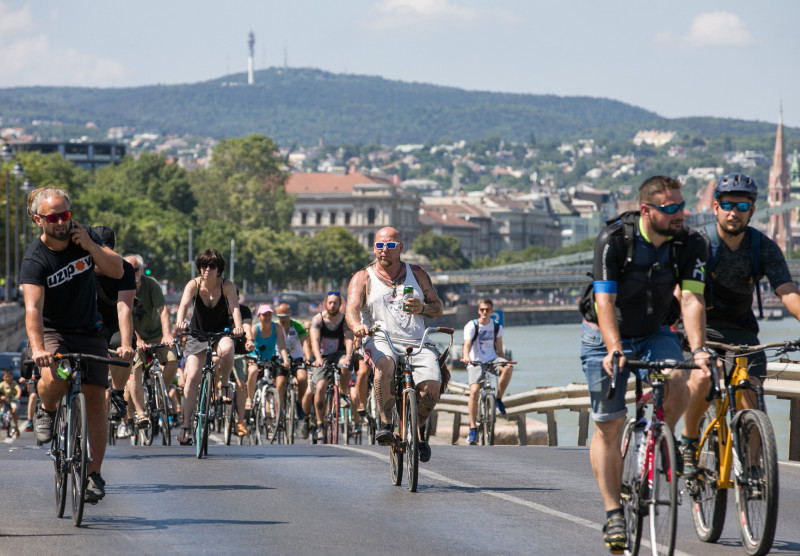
{"points": [[64, 369]]}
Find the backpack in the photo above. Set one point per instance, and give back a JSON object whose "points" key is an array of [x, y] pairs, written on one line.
{"points": [[755, 260], [627, 223], [475, 336]]}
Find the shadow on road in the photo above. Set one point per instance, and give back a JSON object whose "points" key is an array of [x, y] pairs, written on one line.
{"points": [[156, 488], [453, 488], [121, 523]]}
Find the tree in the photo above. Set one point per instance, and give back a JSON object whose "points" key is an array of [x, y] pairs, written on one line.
{"points": [[444, 251]]}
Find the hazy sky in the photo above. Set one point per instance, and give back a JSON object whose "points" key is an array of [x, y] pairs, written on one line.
{"points": [[730, 58]]}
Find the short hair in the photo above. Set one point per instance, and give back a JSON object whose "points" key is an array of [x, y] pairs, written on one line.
{"points": [[655, 185], [138, 258], [37, 197], [486, 302], [210, 256]]}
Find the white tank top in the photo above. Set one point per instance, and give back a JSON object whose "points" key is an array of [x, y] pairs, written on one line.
{"points": [[387, 310]]}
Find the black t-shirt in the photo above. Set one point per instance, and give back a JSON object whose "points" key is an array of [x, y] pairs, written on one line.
{"points": [[239, 343], [107, 293], [70, 297]]}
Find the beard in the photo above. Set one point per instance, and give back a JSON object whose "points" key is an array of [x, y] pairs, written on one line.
{"points": [[669, 230], [57, 234]]}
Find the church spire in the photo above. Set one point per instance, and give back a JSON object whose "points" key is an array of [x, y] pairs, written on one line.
{"points": [[780, 192]]}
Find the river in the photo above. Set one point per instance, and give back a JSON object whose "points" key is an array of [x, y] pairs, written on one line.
{"points": [[549, 355]]}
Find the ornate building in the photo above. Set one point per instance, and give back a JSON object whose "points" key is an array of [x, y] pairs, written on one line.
{"points": [[779, 228]]}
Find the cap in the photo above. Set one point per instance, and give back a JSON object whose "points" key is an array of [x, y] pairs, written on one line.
{"points": [[264, 309]]}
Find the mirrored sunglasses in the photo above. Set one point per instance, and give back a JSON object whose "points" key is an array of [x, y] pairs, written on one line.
{"points": [[742, 206], [53, 218], [668, 209]]}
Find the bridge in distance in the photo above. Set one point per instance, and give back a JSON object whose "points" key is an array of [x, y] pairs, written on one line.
{"points": [[306, 499]]}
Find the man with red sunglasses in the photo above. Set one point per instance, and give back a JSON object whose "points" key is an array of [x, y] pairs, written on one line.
{"points": [[58, 282]]}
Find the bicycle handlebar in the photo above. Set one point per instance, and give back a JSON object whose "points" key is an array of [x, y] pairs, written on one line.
{"points": [[744, 349], [409, 349], [88, 356], [659, 365]]}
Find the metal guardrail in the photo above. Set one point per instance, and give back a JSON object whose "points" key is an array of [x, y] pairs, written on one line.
{"points": [[783, 383]]}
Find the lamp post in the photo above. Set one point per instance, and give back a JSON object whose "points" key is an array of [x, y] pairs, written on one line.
{"points": [[7, 155], [27, 187], [18, 173]]}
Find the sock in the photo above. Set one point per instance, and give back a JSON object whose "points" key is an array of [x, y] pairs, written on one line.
{"points": [[611, 513], [686, 440]]}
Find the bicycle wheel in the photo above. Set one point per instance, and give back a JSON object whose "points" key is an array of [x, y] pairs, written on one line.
{"points": [[412, 440], [662, 499], [757, 487], [272, 414], [112, 431], [344, 419], [479, 419], [396, 452], [79, 431], [709, 502], [631, 488], [146, 434], [332, 425], [228, 422], [489, 413], [257, 419], [162, 412], [203, 403], [290, 416], [373, 417], [58, 451]]}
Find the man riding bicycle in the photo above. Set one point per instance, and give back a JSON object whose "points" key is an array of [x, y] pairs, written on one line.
{"points": [[375, 296], [298, 346]]}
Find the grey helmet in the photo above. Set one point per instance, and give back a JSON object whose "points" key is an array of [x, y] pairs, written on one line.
{"points": [[736, 183]]}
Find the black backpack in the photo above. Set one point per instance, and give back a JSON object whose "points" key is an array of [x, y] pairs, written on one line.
{"points": [[754, 237], [626, 228]]}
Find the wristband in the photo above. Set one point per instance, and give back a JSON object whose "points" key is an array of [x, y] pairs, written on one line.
{"points": [[704, 350]]}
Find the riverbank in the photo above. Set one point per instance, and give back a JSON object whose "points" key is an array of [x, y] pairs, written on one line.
{"points": [[457, 317]]}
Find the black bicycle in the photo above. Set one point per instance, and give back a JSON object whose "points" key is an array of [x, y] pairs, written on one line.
{"points": [[262, 422], [157, 405], [69, 448], [487, 404]]}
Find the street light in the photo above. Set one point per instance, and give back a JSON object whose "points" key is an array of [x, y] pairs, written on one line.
{"points": [[18, 173], [27, 187], [7, 155]]}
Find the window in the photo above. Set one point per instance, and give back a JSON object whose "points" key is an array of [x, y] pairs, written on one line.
{"points": [[319, 218], [303, 218], [347, 218], [333, 218], [371, 217]]}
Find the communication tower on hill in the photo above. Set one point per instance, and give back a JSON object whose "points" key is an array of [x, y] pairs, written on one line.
{"points": [[251, 41]]}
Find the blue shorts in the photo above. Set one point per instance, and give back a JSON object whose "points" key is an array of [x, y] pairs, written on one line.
{"points": [[662, 344]]}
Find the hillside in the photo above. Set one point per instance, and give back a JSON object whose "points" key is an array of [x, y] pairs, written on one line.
{"points": [[304, 105]]}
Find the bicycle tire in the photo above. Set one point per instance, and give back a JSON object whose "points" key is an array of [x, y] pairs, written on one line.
{"points": [[374, 417], [757, 487], [489, 418], [395, 452], [162, 408], [201, 432], [709, 502], [272, 413], [332, 420], [412, 440], [112, 431], [146, 434], [290, 415], [344, 419], [58, 450], [228, 423], [662, 499], [479, 420], [631, 488], [257, 417], [79, 431]]}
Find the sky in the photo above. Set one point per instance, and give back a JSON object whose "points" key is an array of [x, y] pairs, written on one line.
{"points": [[730, 59]]}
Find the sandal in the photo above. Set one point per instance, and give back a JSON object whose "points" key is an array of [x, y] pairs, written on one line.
{"points": [[142, 422], [184, 438], [225, 393], [241, 429]]}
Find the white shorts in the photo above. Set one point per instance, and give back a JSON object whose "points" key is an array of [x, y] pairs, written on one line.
{"points": [[475, 372], [424, 366]]}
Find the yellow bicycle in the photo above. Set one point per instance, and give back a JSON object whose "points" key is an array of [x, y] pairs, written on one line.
{"points": [[742, 440]]}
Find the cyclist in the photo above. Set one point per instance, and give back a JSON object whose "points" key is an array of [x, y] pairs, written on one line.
{"points": [[329, 335], [741, 256], [631, 310], [215, 302], [58, 282], [376, 297], [115, 305], [10, 393], [297, 344], [483, 341], [269, 339], [151, 325]]}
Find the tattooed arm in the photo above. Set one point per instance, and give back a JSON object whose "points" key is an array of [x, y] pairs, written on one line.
{"points": [[356, 299]]}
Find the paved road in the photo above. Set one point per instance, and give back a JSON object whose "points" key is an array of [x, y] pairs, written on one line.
{"points": [[334, 500]]}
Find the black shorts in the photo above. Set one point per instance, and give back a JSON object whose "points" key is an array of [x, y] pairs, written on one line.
{"points": [[736, 335], [93, 343]]}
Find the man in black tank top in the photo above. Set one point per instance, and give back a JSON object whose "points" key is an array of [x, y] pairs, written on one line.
{"points": [[330, 336]]}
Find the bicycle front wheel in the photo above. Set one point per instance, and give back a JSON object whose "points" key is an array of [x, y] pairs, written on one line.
{"points": [[662, 499], [631, 488], [373, 417], [146, 434], [412, 440], [290, 417], [228, 423], [757, 487], [257, 415], [161, 418], [58, 451], [332, 426], [272, 412], [709, 502], [395, 451], [489, 414], [203, 404], [80, 447]]}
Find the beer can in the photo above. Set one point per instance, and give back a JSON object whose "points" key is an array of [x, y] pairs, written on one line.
{"points": [[408, 293]]}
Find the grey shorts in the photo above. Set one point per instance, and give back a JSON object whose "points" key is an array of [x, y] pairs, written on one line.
{"points": [[424, 366], [475, 372], [319, 373]]}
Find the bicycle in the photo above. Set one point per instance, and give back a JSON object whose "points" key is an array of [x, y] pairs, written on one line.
{"points": [[230, 415], [744, 443], [157, 405], [487, 405], [288, 420], [204, 411], [332, 409], [404, 413], [649, 461], [69, 448], [265, 408], [7, 419]]}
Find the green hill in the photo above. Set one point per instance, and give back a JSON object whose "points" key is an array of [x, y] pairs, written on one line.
{"points": [[304, 105]]}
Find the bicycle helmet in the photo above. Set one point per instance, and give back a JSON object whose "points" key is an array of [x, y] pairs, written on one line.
{"points": [[736, 183]]}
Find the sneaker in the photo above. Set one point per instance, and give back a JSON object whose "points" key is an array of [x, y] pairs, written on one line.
{"points": [[319, 434], [615, 533], [95, 488], [689, 449], [304, 429], [501, 407], [43, 427], [385, 434], [472, 437], [117, 406], [123, 430], [29, 426], [424, 451]]}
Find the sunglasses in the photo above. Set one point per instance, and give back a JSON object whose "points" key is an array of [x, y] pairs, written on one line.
{"points": [[212, 266], [334, 293], [484, 310], [56, 216], [668, 209], [388, 244], [743, 206]]}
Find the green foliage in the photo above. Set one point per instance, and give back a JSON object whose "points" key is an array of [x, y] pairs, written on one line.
{"points": [[444, 251]]}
